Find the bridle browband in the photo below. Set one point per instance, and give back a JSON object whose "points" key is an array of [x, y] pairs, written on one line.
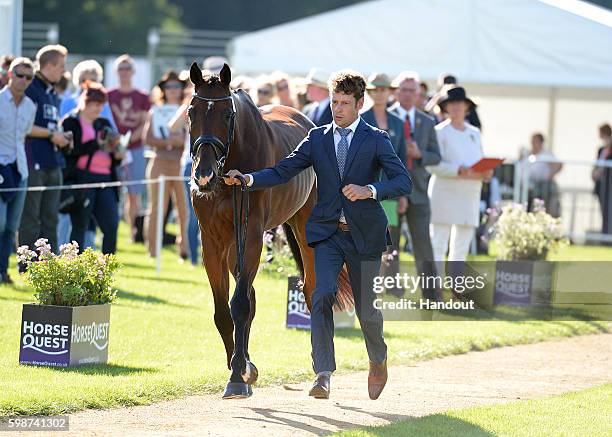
{"points": [[220, 148]]}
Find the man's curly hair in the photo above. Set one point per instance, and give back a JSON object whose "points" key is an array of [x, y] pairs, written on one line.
{"points": [[348, 82]]}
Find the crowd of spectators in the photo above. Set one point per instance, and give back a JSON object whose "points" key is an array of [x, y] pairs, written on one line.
{"points": [[61, 128]]}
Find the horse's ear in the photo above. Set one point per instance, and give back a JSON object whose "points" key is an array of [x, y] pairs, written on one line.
{"points": [[226, 75], [195, 74]]}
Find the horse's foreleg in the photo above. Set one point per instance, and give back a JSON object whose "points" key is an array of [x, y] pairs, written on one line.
{"points": [[244, 373], [250, 321], [218, 277]]}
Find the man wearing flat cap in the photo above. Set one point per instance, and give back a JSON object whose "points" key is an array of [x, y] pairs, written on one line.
{"points": [[319, 110]]}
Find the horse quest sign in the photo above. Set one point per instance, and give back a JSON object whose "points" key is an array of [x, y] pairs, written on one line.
{"points": [[298, 315], [60, 336]]}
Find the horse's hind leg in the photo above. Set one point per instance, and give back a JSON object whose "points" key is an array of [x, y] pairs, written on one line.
{"points": [[297, 225]]}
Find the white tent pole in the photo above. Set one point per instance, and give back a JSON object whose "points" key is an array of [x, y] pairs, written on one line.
{"points": [[552, 113]]}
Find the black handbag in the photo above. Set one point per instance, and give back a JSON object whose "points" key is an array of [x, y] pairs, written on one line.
{"points": [[74, 199], [9, 178]]}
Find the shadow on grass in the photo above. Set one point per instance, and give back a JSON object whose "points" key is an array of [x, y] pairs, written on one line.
{"points": [[434, 425], [155, 278], [21, 288], [147, 298], [107, 370], [355, 333], [602, 327], [24, 299]]}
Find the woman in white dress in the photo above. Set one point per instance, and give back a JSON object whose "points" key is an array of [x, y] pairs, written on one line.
{"points": [[168, 146], [454, 189]]}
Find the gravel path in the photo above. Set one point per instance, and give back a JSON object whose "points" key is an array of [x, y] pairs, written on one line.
{"points": [[494, 376]]}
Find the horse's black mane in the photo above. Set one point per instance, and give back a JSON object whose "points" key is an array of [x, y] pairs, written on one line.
{"points": [[212, 79]]}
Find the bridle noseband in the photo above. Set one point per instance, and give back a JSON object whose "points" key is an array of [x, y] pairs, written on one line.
{"points": [[220, 148]]}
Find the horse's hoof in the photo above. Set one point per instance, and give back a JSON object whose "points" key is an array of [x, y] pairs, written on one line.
{"points": [[250, 374], [237, 390]]}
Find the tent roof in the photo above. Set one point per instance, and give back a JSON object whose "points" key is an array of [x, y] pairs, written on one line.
{"points": [[529, 42]]}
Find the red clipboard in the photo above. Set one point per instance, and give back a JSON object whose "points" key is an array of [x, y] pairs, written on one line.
{"points": [[486, 164]]}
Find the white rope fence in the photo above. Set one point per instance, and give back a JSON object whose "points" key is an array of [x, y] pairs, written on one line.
{"points": [[521, 186], [160, 200]]}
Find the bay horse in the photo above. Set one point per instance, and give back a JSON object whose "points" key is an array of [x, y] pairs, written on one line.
{"points": [[228, 131]]}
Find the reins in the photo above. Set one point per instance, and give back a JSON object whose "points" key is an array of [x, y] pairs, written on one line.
{"points": [[241, 212]]}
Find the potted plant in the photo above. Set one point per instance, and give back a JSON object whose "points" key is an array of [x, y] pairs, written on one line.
{"points": [[523, 241], [69, 323]]}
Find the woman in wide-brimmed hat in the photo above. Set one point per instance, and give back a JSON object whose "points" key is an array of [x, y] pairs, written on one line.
{"points": [[454, 189], [168, 147]]}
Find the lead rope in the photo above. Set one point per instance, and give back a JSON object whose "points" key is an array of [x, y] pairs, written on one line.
{"points": [[240, 232]]}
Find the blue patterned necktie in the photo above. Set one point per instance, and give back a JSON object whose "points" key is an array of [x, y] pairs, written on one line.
{"points": [[343, 146]]}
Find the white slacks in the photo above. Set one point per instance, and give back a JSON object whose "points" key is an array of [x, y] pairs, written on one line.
{"points": [[459, 236]]}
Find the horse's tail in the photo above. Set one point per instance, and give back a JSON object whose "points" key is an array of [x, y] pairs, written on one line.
{"points": [[295, 248], [344, 297]]}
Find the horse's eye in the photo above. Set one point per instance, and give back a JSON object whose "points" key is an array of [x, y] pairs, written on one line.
{"points": [[227, 115]]}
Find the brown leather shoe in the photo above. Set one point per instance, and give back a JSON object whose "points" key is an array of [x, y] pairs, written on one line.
{"points": [[320, 388], [377, 378]]}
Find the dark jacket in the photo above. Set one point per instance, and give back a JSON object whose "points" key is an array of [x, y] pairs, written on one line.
{"points": [[310, 111], [395, 130], [71, 123], [41, 152], [369, 153], [427, 141]]}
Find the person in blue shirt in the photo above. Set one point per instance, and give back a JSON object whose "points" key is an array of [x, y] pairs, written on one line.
{"points": [[17, 112], [43, 151]]}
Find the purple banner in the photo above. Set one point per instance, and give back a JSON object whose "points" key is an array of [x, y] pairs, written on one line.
{"points": [[45, 335], [298, 315]]}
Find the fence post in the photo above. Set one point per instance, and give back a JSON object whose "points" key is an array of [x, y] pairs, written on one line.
{"points": [[518, 179], [160, 220]]}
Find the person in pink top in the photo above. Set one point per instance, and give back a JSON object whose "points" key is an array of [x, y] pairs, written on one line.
{"points": [[93, 159]]}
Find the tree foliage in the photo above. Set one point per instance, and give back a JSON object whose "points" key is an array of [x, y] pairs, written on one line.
{"points": [[104, 26]]}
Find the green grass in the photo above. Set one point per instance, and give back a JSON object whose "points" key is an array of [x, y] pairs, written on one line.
{"points": [[582, 413], [163, 342]]}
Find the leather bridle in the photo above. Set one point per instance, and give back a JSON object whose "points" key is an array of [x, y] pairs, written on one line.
{"points": [[220, 148]]}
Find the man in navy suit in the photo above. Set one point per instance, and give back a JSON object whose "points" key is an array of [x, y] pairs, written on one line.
{"points": [[347, 224]]}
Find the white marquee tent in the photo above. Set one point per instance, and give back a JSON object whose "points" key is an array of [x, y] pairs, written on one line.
{"points": [[533, 65], [530, 42]]}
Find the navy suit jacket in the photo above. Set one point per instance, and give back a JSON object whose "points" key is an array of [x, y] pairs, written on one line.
{"points": [[370, 151]]}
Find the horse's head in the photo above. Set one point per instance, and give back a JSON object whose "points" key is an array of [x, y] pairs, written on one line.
{"points": [[212, 115]]}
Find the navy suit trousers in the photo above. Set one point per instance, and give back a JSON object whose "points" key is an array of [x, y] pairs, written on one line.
{"points": [[330, 255]]}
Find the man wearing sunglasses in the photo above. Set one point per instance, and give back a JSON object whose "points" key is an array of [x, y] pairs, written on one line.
{"points": [[17, 113]]}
